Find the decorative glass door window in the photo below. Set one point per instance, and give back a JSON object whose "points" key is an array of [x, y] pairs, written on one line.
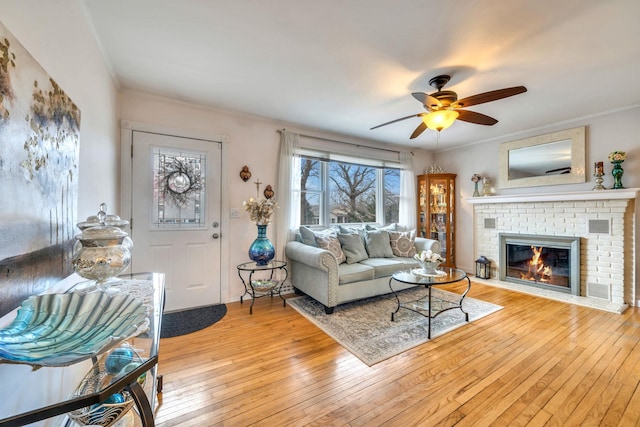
{"points": [[179, 189]]}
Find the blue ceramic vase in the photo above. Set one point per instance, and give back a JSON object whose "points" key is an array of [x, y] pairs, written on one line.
{"points": [[261, 250]]}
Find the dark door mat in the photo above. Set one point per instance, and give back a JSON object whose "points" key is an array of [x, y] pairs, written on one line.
{"points": [[187, 321]]}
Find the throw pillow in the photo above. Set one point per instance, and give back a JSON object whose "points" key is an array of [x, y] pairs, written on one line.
{"points": [[403, 243], [378, 244], [352, 230], [352, 247], [348, 230], [390, 227], [308, 236], [332, 244]]}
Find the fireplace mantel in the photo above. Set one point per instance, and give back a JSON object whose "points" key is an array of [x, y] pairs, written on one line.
{"points": [[622, 194]]}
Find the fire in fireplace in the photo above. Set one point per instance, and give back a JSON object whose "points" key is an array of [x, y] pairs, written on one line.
{"points": [[549, 262]]}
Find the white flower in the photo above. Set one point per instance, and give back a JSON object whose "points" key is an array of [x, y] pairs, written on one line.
{"points": [[260, 211], [428, 256], [617, 156]]}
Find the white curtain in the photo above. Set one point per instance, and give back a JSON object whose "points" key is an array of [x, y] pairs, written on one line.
{"points": [[288, 183], [407, 208]]}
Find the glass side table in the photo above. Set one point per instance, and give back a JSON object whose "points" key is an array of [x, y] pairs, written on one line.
{"points": [[265, 283]]}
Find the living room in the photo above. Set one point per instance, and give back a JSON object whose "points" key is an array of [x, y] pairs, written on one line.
{"points": [[59, 36]]}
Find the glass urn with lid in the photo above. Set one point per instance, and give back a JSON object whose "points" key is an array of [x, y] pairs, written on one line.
{"points": [[101, 253], [111, 220]]}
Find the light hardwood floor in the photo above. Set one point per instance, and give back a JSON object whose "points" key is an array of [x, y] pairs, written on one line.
{"points": [[536, 362]]}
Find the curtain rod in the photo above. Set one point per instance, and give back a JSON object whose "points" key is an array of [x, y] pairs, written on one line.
{"points": [[347, 143]]}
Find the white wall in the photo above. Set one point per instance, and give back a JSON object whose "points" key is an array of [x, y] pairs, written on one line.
{"points": [[605, 133], [253, 142], [56, 34]]}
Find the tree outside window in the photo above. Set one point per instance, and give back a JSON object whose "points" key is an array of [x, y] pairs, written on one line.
{"points": [[341, 192]]}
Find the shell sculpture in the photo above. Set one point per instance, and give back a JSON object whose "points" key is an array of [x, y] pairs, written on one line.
{"points": [[61, 329]]}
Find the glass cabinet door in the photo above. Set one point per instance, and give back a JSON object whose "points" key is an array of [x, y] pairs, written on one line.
{"points": [[436, 212]]}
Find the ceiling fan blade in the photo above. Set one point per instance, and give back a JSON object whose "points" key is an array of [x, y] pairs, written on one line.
{"points": [[427, 100], [421, 128], [477, 118], [398, 120], [493, 95]]}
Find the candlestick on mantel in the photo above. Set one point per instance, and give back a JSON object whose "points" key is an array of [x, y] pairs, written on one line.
{"points": [[599, 166], [599, 172]]}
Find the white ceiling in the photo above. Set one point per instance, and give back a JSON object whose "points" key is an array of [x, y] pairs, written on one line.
{"points": [[347, 65]]}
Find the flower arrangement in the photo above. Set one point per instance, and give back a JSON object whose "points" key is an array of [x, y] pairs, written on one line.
{"points": [[261, 210], [617, 156], [428, 256], [476, 177]]}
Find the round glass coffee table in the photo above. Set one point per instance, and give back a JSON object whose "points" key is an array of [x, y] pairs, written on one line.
{"points": [[429, 306]]}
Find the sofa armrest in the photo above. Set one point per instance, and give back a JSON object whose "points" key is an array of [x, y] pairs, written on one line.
{"points": [[310, 255], [314, 271], [424, 244]]}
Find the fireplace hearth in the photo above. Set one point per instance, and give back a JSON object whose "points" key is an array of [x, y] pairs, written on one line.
{"points": [[548, 262]]}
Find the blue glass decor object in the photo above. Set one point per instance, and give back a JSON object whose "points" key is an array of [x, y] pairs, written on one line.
{"points": [[617, 173], [97, 379], [61, 329], [261, 250]]}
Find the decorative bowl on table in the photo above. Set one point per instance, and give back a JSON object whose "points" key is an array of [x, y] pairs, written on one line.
{"points": [[61, 329], [263, 285], [430, 267]]}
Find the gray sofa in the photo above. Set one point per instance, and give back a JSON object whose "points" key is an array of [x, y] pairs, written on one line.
{"points": [[317, 273]]}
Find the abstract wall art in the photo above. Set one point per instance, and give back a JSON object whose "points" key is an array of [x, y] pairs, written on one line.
{"points": [[39, 146]]}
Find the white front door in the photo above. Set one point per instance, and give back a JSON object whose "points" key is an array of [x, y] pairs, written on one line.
{"points": [[175, 204]]}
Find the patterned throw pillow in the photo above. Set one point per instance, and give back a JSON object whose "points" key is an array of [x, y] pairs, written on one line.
{"points": [[332, 244], [403, 243]]}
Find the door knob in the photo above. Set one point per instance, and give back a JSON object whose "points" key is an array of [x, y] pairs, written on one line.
{"points": [[215, 235]]}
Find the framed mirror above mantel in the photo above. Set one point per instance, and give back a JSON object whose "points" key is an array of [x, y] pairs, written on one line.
{"points": [[551, 159]]}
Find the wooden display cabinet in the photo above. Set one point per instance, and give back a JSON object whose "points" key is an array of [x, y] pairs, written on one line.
{"points": [[437, 212]]}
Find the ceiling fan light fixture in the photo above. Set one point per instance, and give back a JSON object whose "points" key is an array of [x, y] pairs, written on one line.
{"points": [[440, 119]]}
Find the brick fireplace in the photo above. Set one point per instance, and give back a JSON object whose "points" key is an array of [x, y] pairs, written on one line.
{"points": [[602, 221]]}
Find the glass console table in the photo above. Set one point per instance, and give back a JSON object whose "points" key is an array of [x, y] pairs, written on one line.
{"points": [[149, 287]]}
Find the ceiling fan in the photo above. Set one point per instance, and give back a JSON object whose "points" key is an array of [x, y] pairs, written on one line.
{"points": [[443, 107]]}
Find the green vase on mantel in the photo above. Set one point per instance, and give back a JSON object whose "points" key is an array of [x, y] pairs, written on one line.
{"points": [[617, 173]]}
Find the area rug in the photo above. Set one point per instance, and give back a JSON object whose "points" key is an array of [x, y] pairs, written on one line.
{"points": [[366, 330], [187, 321]]}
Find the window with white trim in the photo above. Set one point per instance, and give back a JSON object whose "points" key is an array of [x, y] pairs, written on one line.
{"points": [[344, 189]]}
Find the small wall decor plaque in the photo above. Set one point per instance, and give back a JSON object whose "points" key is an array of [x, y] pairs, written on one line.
{"points": [[245, 173], [268, 192]]}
